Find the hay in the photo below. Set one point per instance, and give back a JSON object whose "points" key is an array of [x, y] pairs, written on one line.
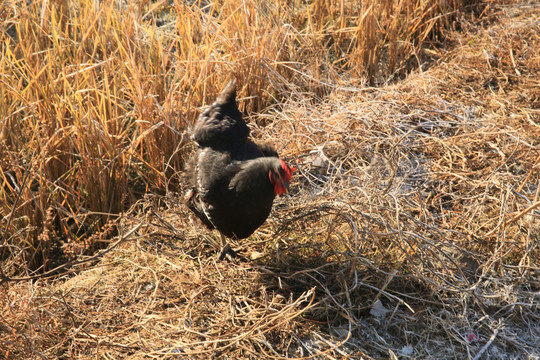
{"points": [[412, 231]]}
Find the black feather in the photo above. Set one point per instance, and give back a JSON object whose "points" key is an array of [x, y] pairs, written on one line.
{"points": [[221, 125], [230, 189]]}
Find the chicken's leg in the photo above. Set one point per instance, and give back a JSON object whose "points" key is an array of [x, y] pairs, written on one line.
{"points": [[226, 249]]}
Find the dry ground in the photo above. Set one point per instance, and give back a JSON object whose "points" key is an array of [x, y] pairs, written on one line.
{"points": [[412, 231]]}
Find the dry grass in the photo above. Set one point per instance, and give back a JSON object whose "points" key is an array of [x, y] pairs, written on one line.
{"points": [[97, 96], [412, 229]]}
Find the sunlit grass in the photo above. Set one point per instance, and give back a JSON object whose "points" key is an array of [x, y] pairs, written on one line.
{"points": [[96, 97]]}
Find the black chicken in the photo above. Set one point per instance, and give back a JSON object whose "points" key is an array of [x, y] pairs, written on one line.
{"points": [[232, 180]]}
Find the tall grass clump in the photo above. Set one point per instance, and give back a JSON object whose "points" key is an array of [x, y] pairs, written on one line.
{"points": [[96, 97], [81, 130]]}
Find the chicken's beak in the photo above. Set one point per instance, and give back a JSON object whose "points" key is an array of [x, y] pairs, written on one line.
{"points": [[285, 184], [280, 182]]}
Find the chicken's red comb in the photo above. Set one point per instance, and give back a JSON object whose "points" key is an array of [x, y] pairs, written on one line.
{"points": [[288, 170]]}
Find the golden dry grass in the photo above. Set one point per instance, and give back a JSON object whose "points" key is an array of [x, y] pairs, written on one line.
{"points": [[97, 96], [413, 222]]}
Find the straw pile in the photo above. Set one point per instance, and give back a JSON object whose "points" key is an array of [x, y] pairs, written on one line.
{"points": [[412, 231]]}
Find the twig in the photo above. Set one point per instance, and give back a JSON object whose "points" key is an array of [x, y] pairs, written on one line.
{"points": [[515, 218], [514, 63], [487, 345]]}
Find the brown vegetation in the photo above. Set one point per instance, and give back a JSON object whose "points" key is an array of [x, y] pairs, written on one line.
{"points": [[412, 229], [97, 96]]}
